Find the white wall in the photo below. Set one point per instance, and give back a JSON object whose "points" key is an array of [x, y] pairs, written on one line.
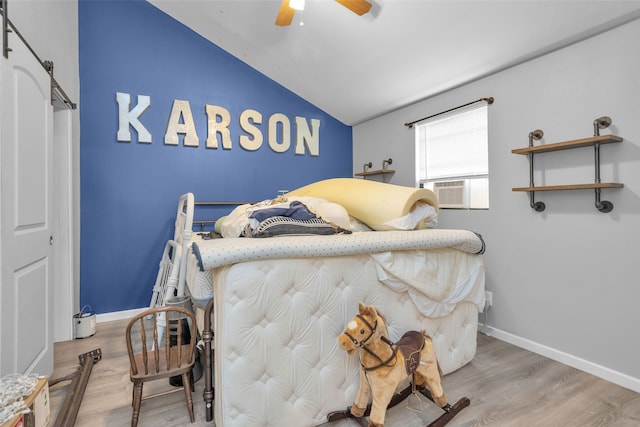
{"points": [[564, 281]]}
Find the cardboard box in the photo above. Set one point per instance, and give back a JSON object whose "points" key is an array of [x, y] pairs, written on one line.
{"points": [[40, 406], [17, 421]]}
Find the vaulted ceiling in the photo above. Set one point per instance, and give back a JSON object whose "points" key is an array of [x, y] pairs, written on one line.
{"points": [[360, 67]]}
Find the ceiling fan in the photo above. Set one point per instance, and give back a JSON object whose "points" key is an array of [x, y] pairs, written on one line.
{"points": [[288, 8]]}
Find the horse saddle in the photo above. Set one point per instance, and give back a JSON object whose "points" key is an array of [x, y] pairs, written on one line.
{"points": [[411, 344]]}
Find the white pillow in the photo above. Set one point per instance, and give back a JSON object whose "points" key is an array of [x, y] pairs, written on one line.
{"points": [[422, 215], [357, 225]]}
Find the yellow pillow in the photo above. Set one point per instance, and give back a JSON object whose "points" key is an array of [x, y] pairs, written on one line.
{"points": [[372, 202]]}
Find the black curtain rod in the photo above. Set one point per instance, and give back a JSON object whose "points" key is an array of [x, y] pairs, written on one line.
{"points": [[487, 100], [47, 65]]}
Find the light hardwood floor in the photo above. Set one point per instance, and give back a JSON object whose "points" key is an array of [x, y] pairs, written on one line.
{"points": [[507, 386]]}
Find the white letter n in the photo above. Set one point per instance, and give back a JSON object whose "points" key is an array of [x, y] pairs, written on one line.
{"points": [[131, 117]]}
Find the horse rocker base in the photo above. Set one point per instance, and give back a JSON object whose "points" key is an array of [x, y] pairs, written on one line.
{"points": [[384, 365], [450, 411]]}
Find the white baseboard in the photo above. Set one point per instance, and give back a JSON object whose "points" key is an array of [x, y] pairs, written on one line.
{"points": [[119, 315], [600, 371]]}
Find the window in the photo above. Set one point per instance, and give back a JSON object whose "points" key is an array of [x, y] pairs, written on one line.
{"points": [[452, 159]]}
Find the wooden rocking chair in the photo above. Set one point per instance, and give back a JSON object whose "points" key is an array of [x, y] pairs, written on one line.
{"points": [[156, 350]]}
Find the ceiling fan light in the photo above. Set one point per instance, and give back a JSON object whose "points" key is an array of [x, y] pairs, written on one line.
{"points": [[296, 4]]}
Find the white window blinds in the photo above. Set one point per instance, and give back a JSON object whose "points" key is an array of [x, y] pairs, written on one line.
{"points": [[453, 145]]}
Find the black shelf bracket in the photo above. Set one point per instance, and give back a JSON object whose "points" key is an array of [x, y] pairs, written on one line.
{"points": [[537, 206], [603, 122]]}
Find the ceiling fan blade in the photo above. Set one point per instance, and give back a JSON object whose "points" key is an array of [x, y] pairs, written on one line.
{"points": [[359, 7], [285, 14]]}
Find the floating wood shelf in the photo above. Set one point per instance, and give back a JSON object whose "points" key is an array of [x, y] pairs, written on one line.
{"points": [[566, 145], [375, 172], [595, 141], [571, 187]]}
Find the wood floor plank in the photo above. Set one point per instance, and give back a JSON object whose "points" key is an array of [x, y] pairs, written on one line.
{"points": [[507, 386]]}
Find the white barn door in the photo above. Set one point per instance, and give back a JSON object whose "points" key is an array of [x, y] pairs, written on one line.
{"points": [[26, 205]]}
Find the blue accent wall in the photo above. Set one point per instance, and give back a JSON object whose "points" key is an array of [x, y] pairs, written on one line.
{"points": [[129, 190]]}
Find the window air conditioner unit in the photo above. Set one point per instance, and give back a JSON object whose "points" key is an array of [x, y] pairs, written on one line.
{"points": [[452, 194]]}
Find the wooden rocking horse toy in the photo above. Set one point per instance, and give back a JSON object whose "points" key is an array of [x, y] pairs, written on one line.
{"points": [[384, 364]]}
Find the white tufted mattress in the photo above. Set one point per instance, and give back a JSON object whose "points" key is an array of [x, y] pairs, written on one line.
{"points": [[276, 323]]}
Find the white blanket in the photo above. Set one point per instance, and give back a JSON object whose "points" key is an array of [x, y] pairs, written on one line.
{"points": [[435, 280]]}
